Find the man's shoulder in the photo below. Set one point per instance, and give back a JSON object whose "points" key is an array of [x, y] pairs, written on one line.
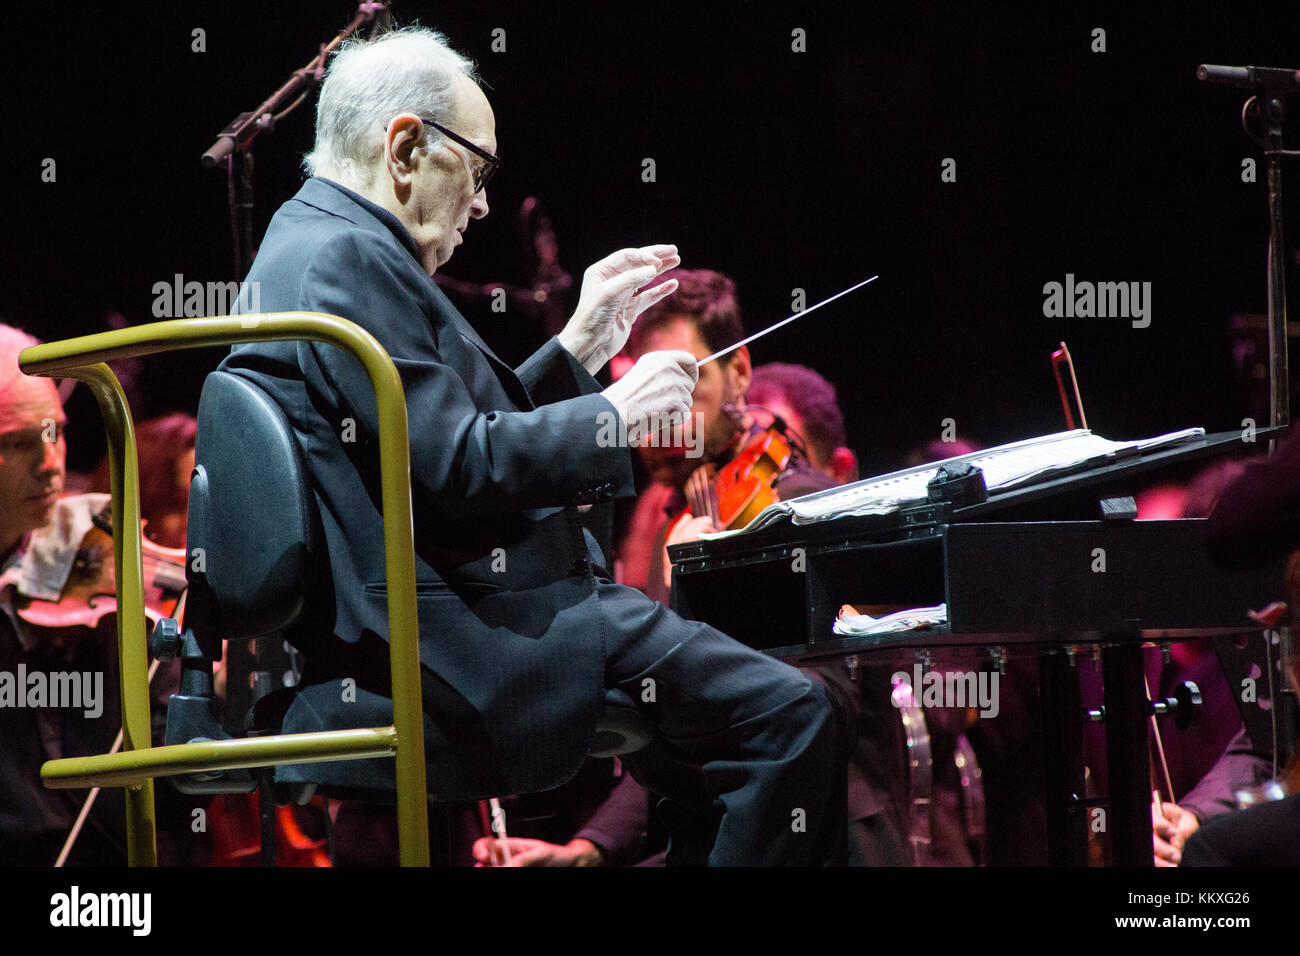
{"points": [[320, 249], [313, 223], [802, 479]]}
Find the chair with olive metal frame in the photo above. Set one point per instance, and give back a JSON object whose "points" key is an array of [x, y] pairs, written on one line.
{"points": [[84, 358]]}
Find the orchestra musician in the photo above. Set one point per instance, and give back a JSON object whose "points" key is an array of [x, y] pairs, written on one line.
{"points": [[522, 631], [701, 318], [1256, 519], [33, 820], [40, 539], [47, 569]]}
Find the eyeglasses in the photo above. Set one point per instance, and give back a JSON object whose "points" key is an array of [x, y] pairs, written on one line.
{"points": [[482, 171]]}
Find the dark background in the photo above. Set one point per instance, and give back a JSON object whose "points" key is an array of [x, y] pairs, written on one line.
{"points": [[782, 169]]}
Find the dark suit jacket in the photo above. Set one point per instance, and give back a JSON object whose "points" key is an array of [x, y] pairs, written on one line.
{"points": [[511, 636]]}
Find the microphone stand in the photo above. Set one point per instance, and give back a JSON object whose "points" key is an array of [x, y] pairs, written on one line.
{"points": [[233, 144], [1266, 110]]}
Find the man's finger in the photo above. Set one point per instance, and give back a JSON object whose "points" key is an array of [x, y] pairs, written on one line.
{"points": [[537, 856], [688, 364], [661, 258], [649, 297], [630, 281], [664, 257], [662, 251], [618, 263], [667, 261]]}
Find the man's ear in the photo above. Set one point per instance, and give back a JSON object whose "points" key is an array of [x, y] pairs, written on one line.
{"points": [[740, 371], [844, 465], [403, 135]]}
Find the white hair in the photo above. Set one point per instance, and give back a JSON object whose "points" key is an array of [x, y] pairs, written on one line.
{"points": [[411, 70], [12, 341]]}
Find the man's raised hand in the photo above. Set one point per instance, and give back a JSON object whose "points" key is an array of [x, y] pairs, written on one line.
{"points": [[610, 303]]}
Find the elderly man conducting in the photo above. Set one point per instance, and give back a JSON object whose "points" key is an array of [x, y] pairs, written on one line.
{"points": [[521, 630]]}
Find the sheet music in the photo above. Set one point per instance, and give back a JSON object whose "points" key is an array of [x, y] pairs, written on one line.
{"points": [[1004, 467], [913, 619]]}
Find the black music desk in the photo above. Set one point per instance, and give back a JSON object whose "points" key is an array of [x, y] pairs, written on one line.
{"points": [[1033, 570]]}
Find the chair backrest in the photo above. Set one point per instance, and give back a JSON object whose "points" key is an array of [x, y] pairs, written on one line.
{"points": [[260, 568], [290, 555]]}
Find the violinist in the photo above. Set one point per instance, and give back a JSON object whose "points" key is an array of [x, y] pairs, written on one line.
{"points": [[34, 821], [702, 317], [166, 453], [809, 406], [56, 578]]}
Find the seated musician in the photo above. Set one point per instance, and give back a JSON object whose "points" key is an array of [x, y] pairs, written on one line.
{"points": [[1256, 520], [809, 405], [1205, 787], [166, 454], [48, 568], [40, 539]]}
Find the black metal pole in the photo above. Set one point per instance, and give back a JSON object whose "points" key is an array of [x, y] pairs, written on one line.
{"points": [[1268, 107], [1127, 752], [1273, 112]]}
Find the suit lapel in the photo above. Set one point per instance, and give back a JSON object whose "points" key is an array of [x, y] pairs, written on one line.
{"points": [[505, 375]]}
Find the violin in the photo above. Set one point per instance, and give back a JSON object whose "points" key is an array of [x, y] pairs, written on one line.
{"points": [[91, 588], [1282, 616], [89, 594], [67, 627], [734, 494]]}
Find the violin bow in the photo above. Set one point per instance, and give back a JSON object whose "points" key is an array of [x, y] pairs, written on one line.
{"points": [[1164, 762], [1062, 357], [493, 820], [179, 614], [75, 832]]}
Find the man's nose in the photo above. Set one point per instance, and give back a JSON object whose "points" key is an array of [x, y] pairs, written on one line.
{"points": [[479, 207], [51, 461]]}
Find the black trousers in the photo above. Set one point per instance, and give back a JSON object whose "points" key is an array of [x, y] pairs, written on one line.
{"points": [[750, 753]]}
